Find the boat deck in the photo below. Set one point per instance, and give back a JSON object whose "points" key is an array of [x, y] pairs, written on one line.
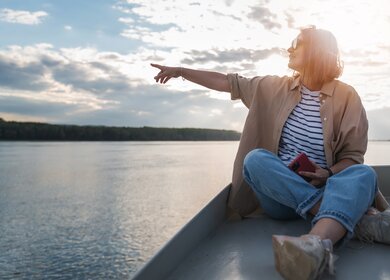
{"points": [[243, 250], [213, 247]]}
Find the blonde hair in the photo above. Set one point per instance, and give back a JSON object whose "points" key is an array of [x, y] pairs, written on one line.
{"points": [[322, 57]]}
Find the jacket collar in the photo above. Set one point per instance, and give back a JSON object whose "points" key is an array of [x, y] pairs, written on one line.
{"points": [[295, 83], [327, 88]]}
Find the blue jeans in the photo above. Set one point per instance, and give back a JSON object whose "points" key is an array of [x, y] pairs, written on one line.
{"points": [[285, 195]]}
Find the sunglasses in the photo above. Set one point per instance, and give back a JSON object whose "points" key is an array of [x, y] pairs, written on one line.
{"points": [[295, 43]]}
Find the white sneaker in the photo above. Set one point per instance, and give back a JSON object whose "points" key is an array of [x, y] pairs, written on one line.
{"points": [[302, 258], [374, 228]]}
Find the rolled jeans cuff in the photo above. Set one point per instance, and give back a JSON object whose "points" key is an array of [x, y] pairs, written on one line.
{"points": [[308, 203], [338, 216]]}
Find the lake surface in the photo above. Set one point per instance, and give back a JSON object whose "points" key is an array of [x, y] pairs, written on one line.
{"points": [[71, 210]]}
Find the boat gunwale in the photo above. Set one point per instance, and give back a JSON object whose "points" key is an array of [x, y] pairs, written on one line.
{"points": [[178, 247]]}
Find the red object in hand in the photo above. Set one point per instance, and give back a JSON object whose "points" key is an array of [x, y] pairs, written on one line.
{"points": [[302, 163]]}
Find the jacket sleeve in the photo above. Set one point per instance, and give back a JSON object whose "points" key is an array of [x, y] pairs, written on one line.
{"points": [[243, 88], [353, 130]]}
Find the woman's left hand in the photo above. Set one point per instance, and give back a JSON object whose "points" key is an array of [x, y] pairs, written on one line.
{"points": [[318, 177]]}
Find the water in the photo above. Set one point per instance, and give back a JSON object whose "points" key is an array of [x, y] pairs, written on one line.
{"points": [[101, 209]]}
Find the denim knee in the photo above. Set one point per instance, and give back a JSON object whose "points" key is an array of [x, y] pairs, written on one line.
{"points": [[369, 173], [254, 157], [251, 163], [363, 168]]}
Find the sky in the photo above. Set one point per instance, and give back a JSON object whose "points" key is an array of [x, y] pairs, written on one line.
{"points": [[88, 62]]}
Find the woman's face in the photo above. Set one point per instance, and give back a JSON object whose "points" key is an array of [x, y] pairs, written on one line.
{"points": [[296, 55]]}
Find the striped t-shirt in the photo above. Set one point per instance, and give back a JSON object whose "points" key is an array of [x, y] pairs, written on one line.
{"points": [[302, 131]]}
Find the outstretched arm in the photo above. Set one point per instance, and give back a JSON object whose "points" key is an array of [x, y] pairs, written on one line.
{"points": [[211, 80]]}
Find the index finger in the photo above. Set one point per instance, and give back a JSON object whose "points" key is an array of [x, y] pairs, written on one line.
{"points": [[156, 66]]}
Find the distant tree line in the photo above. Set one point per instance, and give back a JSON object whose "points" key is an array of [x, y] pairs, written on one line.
{"points": [[11, 130]]}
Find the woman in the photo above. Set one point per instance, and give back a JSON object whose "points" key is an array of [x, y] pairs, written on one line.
{"points": [[314, 113]]}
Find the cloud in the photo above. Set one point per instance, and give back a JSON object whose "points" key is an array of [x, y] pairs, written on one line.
{"points": [[265, 17], [88, 86], [157, 106], [370, 57], [41, 68], [150, 106], [126, 20], [233, 55], [213, 35], [290, 20], [95, 77], [34, 108], [84, 86], [68, 27], [67, 76], [199, 25], [22, 17], [28, 77]]}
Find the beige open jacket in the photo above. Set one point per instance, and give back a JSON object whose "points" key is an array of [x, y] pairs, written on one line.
{"points": [[270, 100]]}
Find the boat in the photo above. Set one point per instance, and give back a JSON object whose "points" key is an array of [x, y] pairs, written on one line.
{"points": [[213, 246]]}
